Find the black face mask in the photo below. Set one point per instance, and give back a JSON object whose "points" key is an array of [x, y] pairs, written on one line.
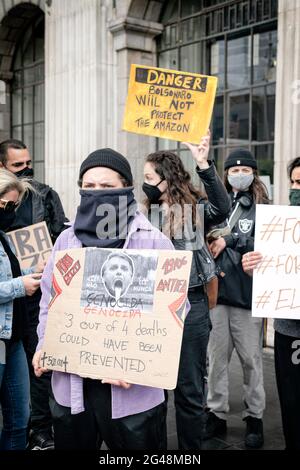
{"points": [[25, 173], [152, 192], [294, 197], [7, 218], [103, 217]]}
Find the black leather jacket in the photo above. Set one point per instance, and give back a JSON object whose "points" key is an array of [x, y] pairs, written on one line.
{"points": [[46, 206], [216, 209], [217, 205], [235, 286]]}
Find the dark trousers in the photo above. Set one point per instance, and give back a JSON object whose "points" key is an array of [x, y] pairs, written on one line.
{"points": [[190, 390], [40, 387], [87, 430], [287, 365]]}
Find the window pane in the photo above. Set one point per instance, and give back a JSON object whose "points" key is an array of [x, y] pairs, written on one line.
{"points": [[264, 155], [218, 156], [217, 62], [17, 107], [168, 59], [17, 132], [217, 121], [39, 33], [28, 104], [239, 62], [170, 12], [263, 112], [168, 37], [210, 3], [29, 76], [190, 7], [39, 142], [190, 58], [18, 60], [192, 29], [264, 56], [39, 172], [39, 103], [28, 54], [187, 30], [18, 80], [39, 49], [39, 72], [28, 138], [238, 124]]}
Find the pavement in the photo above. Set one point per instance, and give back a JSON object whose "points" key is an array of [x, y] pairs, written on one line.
{"points": [[234, 438]]}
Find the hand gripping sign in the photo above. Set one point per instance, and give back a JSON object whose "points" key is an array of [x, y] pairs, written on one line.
{"points": [[169, 103], [118, 314]]}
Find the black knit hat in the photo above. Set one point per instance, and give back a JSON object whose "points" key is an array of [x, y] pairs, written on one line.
{"points": [[240, 157], [110, 159]]}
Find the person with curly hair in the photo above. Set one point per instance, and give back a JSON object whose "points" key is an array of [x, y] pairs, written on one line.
{"points": [[170, 191]]}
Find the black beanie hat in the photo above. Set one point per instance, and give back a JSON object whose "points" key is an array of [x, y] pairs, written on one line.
{"points": [[110, 159], [240, 157]]}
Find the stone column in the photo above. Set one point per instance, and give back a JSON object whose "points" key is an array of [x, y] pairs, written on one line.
{"points": [[134, 43], [80, 89], [287, 118]]}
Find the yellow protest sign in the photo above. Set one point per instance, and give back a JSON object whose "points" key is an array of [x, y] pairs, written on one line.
{"points": [[118, 314], [169, 103]]}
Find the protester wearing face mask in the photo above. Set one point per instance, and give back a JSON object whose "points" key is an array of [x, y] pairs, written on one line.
{"points": [[232, 324], [85, 411], [40, 205], [14, 285], [177, 202], [287, 338]]}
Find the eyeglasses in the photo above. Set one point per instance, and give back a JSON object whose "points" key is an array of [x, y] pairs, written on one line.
{"points": [[8, 206]]}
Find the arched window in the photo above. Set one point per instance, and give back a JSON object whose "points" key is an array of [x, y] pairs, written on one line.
{"points": [[27, 94]]}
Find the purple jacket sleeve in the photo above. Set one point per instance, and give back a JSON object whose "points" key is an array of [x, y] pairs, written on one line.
{"points": [[46, 283]]}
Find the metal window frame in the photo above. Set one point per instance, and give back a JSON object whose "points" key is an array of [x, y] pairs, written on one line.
{"points": [[22, 69], [268, 23]]}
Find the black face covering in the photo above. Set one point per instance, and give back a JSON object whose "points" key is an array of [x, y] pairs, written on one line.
{"points": [[152, 192], [103, 217], [6, 219], [25, 173], [294, 197]]}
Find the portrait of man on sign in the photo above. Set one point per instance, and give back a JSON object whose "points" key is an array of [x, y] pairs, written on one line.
{"points": [[117, 274]]}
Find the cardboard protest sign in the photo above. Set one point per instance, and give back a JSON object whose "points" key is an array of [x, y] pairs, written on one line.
{"points": [[276, 291], [118, 314], [169, 103], [32, 244]]}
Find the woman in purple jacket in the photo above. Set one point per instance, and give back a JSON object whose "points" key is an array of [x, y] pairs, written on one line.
{"points": [[85, 411]]}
